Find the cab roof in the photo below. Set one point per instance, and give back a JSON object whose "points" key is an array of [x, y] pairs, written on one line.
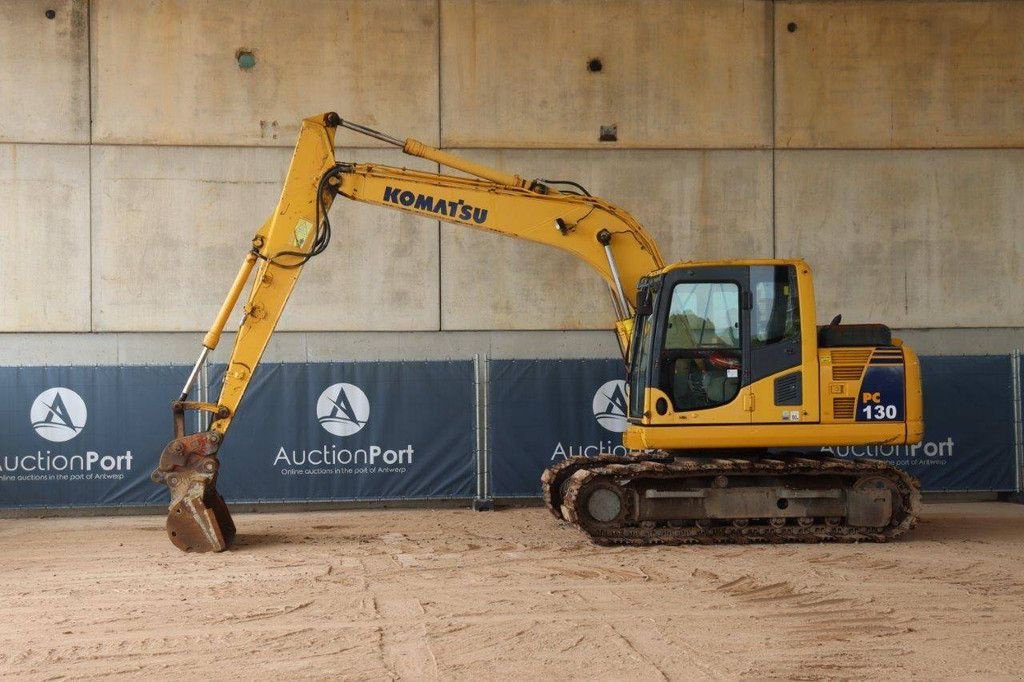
{"points": [[740, 262]]}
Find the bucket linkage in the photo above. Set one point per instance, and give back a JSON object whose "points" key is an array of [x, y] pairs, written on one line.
{"points": [[198, 519]]}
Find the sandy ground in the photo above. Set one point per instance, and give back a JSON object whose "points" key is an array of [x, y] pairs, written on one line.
{"points": [[453, 594]]}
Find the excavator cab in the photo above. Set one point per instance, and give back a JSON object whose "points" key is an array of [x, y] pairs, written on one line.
{"points": [[706, 332], [719, 345]]}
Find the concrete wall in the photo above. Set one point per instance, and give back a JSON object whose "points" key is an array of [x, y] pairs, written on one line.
{"points": [[881, 141], [165, 72], [44, 79], [179, 219], [885, 74], [673, 74], [44, 262], [922, 238]]}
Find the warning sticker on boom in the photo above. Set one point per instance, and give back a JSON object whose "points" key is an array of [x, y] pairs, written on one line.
{"points": [[302, 230]]}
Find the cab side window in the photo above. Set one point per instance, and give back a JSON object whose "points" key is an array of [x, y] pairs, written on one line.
{"points": [[776, 313]]}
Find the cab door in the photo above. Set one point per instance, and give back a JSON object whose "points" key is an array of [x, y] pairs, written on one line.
{"points": [[776, 379], [702, 342]]}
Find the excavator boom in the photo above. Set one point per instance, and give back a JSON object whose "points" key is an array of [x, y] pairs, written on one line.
{"points": [[600, 234]]}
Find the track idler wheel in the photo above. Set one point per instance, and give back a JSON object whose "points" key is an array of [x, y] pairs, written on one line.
{"points": [[198, 519], [599, 502]]}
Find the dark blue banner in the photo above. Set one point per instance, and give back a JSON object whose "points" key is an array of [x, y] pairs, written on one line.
{"points": [[90, 436], [1019, 419], [83, 436], [543, 411], [381, 430]]}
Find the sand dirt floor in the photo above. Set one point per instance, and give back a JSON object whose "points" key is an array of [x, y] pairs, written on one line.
{"points": [[454, 594]]}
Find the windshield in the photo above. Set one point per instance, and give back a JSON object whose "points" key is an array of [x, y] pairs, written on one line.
{"points": [[638, 367], [704, 315]]}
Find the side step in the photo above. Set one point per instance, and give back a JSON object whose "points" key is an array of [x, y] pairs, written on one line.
{"points": [[870, 508]]}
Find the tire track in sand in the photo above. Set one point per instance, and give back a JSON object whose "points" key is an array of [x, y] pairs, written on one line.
{"points": [[814, 632]]}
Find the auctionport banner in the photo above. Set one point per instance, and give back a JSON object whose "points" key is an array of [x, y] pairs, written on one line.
{"points": [[380, 430], [90, 436], [83, 436], [543, 411]]}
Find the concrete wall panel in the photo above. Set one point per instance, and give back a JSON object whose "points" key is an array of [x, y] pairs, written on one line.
{"points": [[908, 239], [166, 72], [44, 220], [40, 348], [900, 74], [712, 204], [173, 224], [694, 73], [44, 71], [460, 345], [158, 348]]}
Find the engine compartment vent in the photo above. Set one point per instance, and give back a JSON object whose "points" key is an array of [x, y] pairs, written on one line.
{"points": [[844, 408], [848, 364]]}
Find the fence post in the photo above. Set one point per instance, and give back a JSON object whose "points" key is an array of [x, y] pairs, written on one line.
{"points": [[483, 500], [1018, 427]]}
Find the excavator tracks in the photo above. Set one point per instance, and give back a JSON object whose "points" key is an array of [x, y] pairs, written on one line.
{"points": [[659, 498]]}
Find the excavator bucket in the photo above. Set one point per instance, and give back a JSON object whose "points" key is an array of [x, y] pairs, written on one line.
{"points": [[198, 519]]}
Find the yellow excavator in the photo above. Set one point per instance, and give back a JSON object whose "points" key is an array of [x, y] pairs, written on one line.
{"points": [[732, 388]]}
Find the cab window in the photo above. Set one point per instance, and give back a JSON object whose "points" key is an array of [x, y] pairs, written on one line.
{"points": [[776, 313], [702, 354], [704, 315], [638, 367]]}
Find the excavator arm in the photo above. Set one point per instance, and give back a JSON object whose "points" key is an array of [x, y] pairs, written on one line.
{"points": [[602, 235]]}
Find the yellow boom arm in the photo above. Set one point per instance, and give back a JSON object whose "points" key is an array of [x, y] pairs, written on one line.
{"points": [[602, 235], [585, 226]]}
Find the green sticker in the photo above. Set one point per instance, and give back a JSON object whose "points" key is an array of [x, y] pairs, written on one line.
{"points": [[302, 230]]}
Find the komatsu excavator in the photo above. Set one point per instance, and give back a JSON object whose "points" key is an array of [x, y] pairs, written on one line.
{"points": [[730, 382]]}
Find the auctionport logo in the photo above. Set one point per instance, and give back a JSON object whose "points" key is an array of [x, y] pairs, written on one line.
{"points": [[610, 405], [58, 414], [343, 409]]}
